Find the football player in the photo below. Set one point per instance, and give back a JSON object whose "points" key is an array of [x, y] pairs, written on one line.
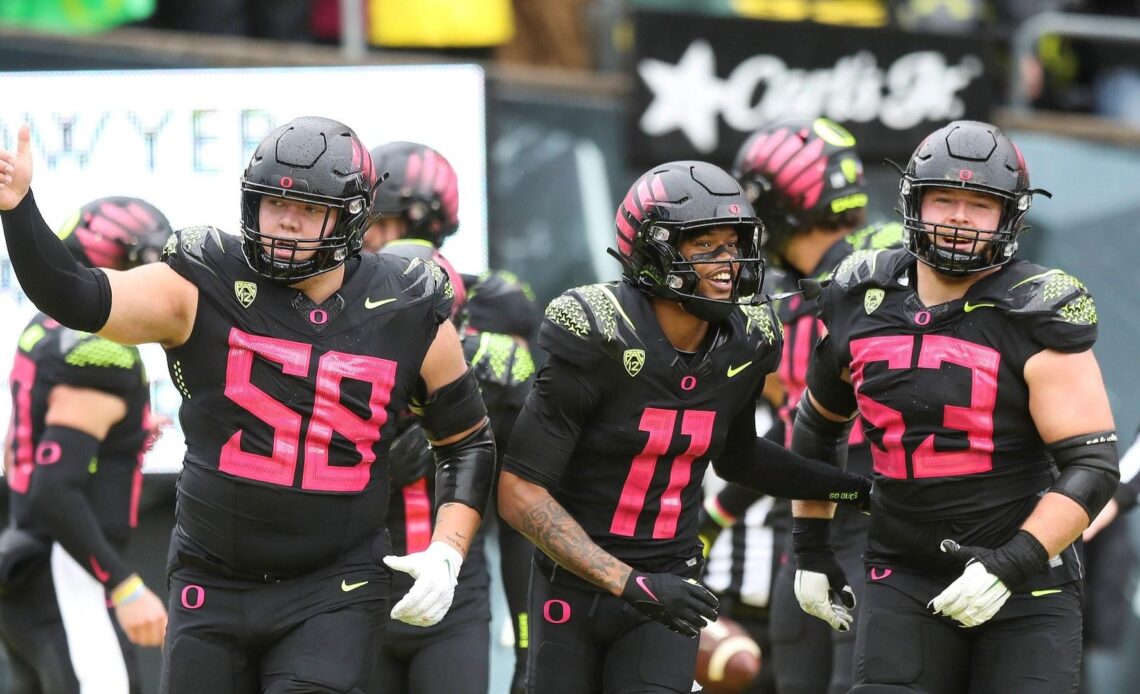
{"points": [[648, 380], [973, 374], [805, 180], [294, 353], [80, 423], [417, 209]]}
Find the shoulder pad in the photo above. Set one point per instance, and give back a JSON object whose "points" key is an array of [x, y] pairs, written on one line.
{"points": [[425, 279], [195, 242], [498, 301], [1060, 309], [876, 237], [86, 349], [498, 359], [90, 361], [867, 268], [760, 322], [1053, 291], [585, 323]]}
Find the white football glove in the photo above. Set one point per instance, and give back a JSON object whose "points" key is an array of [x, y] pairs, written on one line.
{"points": [[973, 598], [819, 599], [436, 570]]}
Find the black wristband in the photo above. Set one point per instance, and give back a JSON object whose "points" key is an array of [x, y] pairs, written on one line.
{"points": [[811, 535], [1018, 560]]}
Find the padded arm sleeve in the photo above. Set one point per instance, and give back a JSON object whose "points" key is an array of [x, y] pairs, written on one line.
{"points": [[76, 296], [1090, 469], [60, 504], [465, 470], [818, 437]]}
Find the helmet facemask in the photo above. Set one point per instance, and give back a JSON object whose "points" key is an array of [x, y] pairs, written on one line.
{"points": [[662, 271], [335, 244], [986, 249]]}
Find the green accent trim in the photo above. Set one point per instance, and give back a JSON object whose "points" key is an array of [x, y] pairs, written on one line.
{"points": [[1027, 280], [31, 336], [1047, 591], [524, 633], [93, 466], [96, 351], [613, 300], [412, 242], [484, 343]]}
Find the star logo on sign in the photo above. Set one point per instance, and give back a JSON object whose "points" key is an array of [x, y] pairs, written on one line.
{"points": [[686, 96]]}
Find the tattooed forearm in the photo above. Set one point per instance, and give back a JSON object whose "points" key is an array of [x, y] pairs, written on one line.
{"points": [[455, 525], [555, 532]]}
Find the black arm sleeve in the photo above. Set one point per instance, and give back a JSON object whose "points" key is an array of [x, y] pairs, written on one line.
{"points": [[76, 296], [547, 429], [465, 470], [734, 499], [818, 437], [58, 502], [769, 467], [1089, 469]]}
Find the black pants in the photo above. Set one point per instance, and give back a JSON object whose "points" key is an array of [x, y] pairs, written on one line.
{"points": [[452, 660], [1032, 645], [810, 657], [312, 633], [583, 641]]}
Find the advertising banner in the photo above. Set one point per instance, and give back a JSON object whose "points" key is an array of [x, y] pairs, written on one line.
{"points": [[702, 84]]}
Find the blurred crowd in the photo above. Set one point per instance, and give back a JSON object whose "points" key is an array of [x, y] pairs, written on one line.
{"points": [[1098, 76]]}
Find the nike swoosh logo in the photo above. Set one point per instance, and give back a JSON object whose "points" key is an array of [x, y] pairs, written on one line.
{"points": [[641, 584], [349, 587], [970, 307], [876, 576], [1048, 591], [370, 304], [733, 370]]}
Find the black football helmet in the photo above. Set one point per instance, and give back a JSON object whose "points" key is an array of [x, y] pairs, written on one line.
{"points": [[313, 160], [117, 233], [421, 188], [967, 155], [665, 204], [799, 174]]}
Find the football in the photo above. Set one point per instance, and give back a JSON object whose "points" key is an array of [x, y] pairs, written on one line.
{"points": [[727, 658]]}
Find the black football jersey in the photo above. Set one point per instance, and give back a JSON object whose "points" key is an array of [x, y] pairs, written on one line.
{"points": [[48, 355], [802, 327], [289, 406], [941, 393], [620, 427]]}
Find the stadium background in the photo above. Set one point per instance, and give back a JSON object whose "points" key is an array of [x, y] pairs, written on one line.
{"points": [[544, 155]]}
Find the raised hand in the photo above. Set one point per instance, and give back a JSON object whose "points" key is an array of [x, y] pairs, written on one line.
{"points": [[16, 170]]}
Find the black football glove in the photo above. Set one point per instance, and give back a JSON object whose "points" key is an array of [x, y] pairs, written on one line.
{"points": [[681, 604], [820, 586], [410, 457], [990, 576]]}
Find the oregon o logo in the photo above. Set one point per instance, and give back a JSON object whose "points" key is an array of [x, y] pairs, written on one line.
{"points": [[286, 182], [563, 609], [965, 174], [688, 382], [193, 597], [318, 316], [922, 317], [47, 453]]}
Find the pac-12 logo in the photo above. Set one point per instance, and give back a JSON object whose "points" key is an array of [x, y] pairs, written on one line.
{"points": [[633, 359]]}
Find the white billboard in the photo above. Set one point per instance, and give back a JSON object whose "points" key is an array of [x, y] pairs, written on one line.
{"points": [[180, 139]]}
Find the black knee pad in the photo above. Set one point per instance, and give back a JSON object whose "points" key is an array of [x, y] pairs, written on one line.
{"points": [[193, 665]]}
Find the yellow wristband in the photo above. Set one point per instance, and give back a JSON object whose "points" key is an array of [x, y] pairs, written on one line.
{"points": [[128, 591]]}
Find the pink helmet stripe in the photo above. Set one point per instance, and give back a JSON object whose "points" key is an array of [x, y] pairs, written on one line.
{"points": [[117, 214], [764, 146], [783, 153], [657, 186], [431, 165], [806, 160], [414, 166], [141, 213], [811, 197], [625, 234], [644, 197], [630, 205]]}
